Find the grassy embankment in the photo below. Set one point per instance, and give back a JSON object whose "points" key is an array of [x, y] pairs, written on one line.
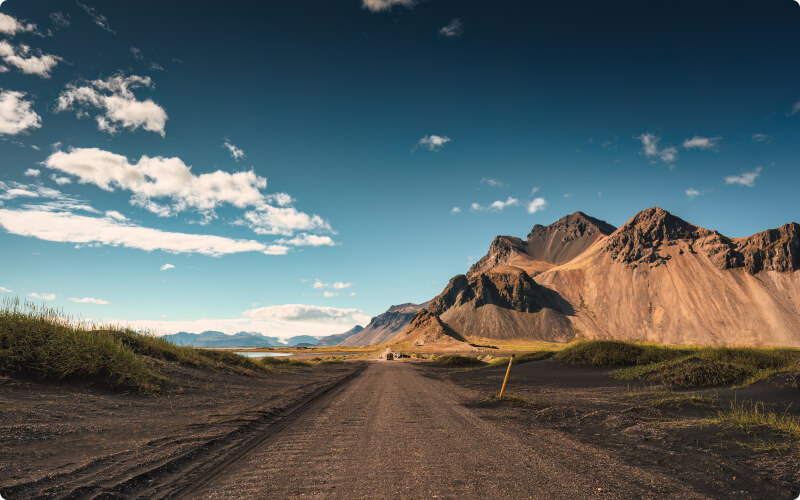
{"points": [[39, 342]]}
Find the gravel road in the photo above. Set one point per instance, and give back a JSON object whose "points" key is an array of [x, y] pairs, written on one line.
{"points": [[394, 432]]}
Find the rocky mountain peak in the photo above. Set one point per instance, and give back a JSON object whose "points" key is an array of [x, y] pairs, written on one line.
{"points": [[573, 226]]}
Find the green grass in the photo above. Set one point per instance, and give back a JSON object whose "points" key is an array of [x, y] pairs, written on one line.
{"points": [[458, 360], [682, 366], [516, 400], [753, 417], [272, 361], [39, 342]]}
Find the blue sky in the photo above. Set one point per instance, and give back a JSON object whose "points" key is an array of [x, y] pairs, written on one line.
{"points": [[296, 167]]}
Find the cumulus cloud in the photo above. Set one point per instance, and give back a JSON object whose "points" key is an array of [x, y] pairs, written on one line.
{"points": [[167, 267], [747, 179], [328, 294], [236, 153], [42, 296], [382, 5], [16, 113], [536, 205], [23, 58], [698, 142], [118, 106], [497, 206], [61, 180], [650, 148], [159, 177], [307, 240], [489, 181], [67, 227], [10, 26], [5, 290], [291, 313], [453, 29], [88, 300], [341, 286], [284, 221], [692, 193], [432, 142], [32, 172], [99, 19], [455, 210]]}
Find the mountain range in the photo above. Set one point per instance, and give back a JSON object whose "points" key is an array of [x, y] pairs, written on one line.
{"points": [[657, 278], [242, 339]]}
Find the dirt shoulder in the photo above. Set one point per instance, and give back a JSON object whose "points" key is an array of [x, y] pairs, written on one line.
{"points": [[664, 431], [74, 439]]}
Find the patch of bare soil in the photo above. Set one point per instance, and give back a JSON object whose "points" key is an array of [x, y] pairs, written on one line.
{"points": [[647, 426], [73, 440]]}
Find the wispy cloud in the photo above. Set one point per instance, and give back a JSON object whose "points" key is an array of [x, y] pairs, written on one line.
{"points": [[5, 290], [99, 19], [432, 142], [382, 5], [236, 153], [453, 29], [88, 300], [42, 296], [489, 181], [118, 105], [747, 179], [84, 230], [60, 19], [650, 149], [284, 221], [291, 313], [27, 60], [761, 138], [16, 113], [307, 240], [795, 108], [167, 267], [692, 193], [328, 294], [537, 205], [341, 286], [32, 172], [137, 53], [497, 206], [455, 210], [698, 142]]}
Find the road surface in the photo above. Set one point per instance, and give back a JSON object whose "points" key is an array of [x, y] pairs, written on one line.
{"points": [[394, 432]]}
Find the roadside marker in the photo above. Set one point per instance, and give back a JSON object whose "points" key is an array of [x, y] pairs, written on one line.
{"points": [[505, 380]]}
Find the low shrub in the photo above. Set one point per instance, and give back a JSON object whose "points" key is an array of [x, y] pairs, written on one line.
{"points": [[458, 360]]}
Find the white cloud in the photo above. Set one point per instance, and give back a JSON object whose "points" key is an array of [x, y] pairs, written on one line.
{"points": [[292, 313], [167, 267], [761, 138], [329, 294], [307, 240], [747, 179], [43, 296], [10, 26], [698, 142], [4, 69], [692, 193], [19, 190], [353, 294], [497, 206], [83, 230], [319, 285], [795, 108], [536, 205], [455, 210], [115, 215], [650, 146], [284, 221], [5, 290], [24, 59], [89, 300], [61, 180], [236, 153], [99, 19], [381, 5], [489, 181], [137, 53], [16, 113], [159, 177], [60, 19], [32, 172], [341, 286], [453, 29], [432, 142], [535, 189], [118, 104]]}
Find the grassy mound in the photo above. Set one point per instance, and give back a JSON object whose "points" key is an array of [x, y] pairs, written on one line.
{"points": [[691, 371], [272, 361], [39, 342], [458, 360], [616, 353]]}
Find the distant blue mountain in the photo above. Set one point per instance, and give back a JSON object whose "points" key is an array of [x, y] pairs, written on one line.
{"points": [[241, 339]]}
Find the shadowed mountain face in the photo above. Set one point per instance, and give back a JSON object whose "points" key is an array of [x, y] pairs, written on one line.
{"points": [[332, 340], [656, 278], [384, 326], [241, 339]]}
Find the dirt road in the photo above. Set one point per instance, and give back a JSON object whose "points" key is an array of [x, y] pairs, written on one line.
{"points": [[393, 432]]}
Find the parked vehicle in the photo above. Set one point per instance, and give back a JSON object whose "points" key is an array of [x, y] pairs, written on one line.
{"points": [[389, 356]]}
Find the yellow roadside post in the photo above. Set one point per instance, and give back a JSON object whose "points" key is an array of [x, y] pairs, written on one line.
{"points": [[508, 372]]}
